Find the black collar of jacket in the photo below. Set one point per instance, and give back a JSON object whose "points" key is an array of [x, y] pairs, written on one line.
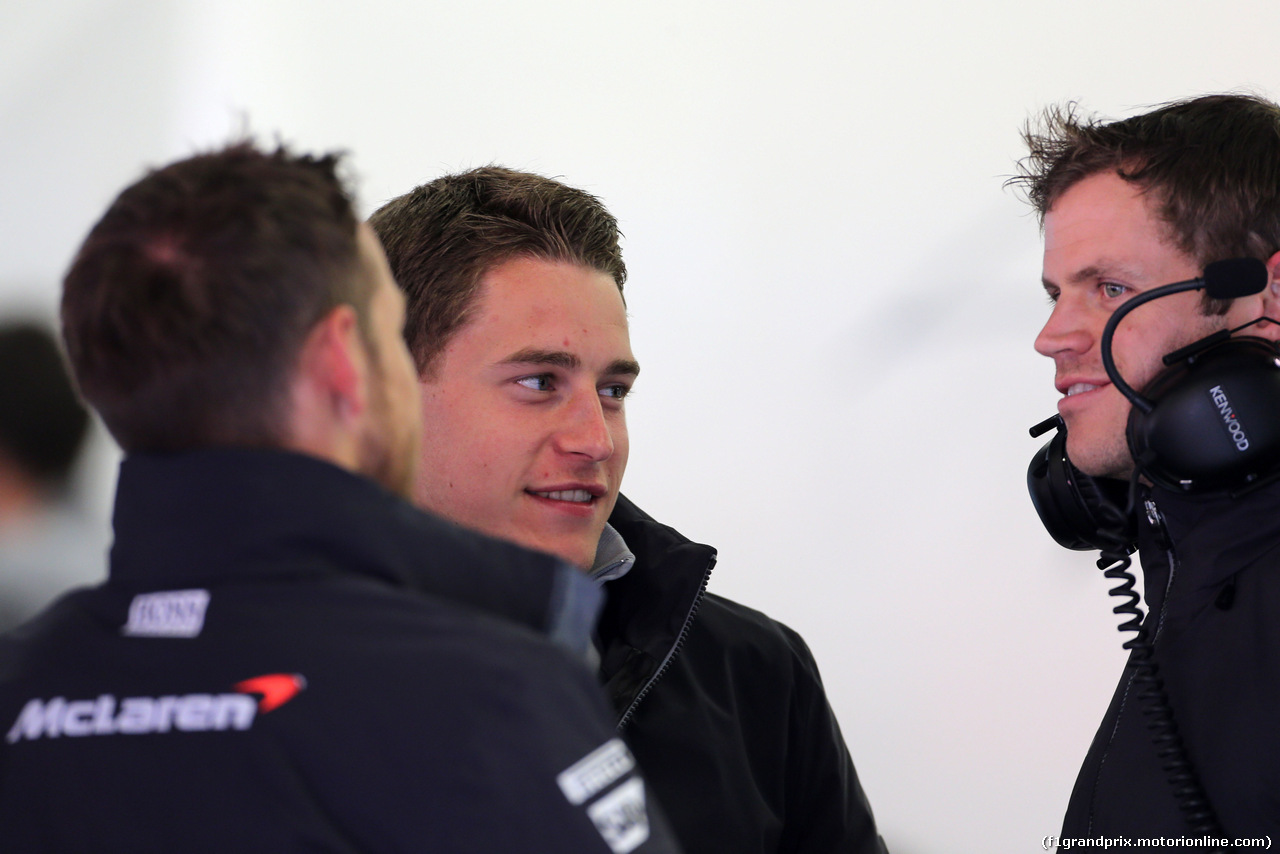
{"points": [[1214, 537], [646, 609], [200, 517]]}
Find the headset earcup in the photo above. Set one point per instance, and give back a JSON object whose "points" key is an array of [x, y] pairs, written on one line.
{"points": [[1069, 501], [1215, 421]]}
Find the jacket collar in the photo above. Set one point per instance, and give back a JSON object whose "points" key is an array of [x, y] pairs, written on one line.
{"points": [[648, 608], [195, 518], [613, 558], [1216, 537]]}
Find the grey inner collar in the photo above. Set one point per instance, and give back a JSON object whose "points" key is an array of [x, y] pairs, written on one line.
{"points": [[613, 558]]}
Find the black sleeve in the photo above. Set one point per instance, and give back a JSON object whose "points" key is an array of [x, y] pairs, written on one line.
{"points": [[828, 810]]}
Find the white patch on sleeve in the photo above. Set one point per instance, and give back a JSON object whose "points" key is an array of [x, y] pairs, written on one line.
{"points": [[596, 771], [620, 815], [168, 614], [621, 818]]}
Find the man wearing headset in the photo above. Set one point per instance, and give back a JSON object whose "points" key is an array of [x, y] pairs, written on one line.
{"points": [[1126, 207]]}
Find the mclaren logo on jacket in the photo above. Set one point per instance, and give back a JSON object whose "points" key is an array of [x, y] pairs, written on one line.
{"points": [[107, 715]]}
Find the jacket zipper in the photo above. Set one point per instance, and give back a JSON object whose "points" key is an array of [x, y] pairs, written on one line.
{"points": [[675, 648], [1157, 522]]}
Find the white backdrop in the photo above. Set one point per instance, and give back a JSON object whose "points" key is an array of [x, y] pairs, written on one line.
{"points": [[832, 295]]}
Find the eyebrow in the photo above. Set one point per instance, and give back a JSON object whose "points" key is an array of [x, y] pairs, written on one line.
{"points": [[568, 361], [1104, 270]]}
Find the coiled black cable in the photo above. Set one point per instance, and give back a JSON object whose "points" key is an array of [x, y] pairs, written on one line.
{"points": [[1149, 688]]}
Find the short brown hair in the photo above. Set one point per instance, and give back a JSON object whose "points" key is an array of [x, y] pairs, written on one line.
{"points": [[184, 310], [1211, 165], [443, 237]]}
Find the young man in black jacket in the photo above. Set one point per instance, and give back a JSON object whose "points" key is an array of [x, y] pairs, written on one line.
{"points": [[518, 327], [287, 656], [1127, 207]]}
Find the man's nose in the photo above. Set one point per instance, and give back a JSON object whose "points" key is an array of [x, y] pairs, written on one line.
{"points": [[585, 430], [1065, 332]]}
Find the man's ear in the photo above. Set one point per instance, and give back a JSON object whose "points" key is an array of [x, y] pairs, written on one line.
{"points": [[335, 360], [330, 386], [1270, 303]]}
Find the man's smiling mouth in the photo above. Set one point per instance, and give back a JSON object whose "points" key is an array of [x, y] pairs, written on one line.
{"points": [[580, 496]]}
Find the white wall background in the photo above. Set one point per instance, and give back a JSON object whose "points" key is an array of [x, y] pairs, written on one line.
{"points": [[832, 295]]}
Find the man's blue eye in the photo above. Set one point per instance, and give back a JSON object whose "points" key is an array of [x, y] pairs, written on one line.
{"points": [[617, 392], [1112, 290], [539, 382]]}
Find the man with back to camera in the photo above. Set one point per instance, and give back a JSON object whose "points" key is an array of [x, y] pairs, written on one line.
{"points": [[1126, 207], [287, 656], [518, 327]]}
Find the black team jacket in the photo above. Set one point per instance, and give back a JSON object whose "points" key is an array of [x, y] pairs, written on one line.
{"points": [[1211, 570], [724, 709], [288, 658]]}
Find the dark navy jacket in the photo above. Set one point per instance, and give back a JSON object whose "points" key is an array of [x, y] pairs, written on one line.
{"points": [[288, 658], [1211, 570], [724, 708]]}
